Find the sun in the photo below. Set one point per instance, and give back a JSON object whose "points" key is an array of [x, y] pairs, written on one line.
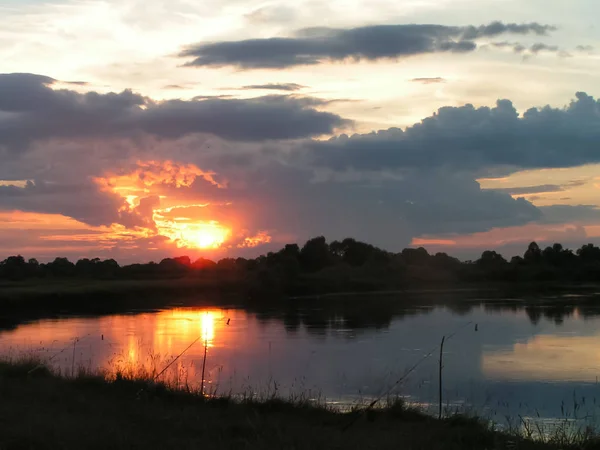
{"points": [[204, 235]]}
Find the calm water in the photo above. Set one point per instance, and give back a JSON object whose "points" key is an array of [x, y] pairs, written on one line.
{"points": [[504, 358]]}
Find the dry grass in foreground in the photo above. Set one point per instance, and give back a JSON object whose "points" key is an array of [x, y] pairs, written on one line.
{"points": [[41, 410]]}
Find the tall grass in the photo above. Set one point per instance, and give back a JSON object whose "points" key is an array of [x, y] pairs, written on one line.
{"points": [[156, 372]]}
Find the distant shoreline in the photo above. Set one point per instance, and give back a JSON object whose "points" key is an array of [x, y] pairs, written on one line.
{"points": [[22, 302]]}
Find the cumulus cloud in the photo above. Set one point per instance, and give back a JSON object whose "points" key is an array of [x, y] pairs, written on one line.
{"points": [[31, 110], [475, 140], [386, 187], [317, 45]]}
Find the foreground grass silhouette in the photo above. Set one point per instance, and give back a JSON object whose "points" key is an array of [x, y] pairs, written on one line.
{"points": [[40, 410]]}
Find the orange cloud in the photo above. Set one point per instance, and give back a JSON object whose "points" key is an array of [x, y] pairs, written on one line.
{"points": [[149, 177], [150, 195], [150, 173], [19, 220], [50, 235], [159, 212], [592, 231], [422, 242], [254, 241]]}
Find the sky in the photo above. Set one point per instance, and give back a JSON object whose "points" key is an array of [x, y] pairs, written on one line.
{"points": [[143, 129]]}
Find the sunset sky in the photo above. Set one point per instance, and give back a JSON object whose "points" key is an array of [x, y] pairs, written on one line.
{"points": [[140, 129]]}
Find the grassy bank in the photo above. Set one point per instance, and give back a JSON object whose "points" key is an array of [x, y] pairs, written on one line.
{"points": [[40, 410]]}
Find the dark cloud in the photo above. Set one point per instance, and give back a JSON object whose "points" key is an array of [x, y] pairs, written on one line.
{"points": [[81, 201], [530, 189], [530, 50], [475, 140], [540, 189], [429, 80], [276, 86], [211, 97], [257, 119], [31, 110], [556, 214], [497, 28], [316, 45], [539, 47], [387, 211]]}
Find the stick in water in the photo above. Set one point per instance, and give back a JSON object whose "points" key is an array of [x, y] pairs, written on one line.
{"points": [[441, 367], [177, 357], [203, 367]]}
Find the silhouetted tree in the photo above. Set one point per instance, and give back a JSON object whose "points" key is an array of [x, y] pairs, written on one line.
{"points": [[61, 267], [516, 260], [175, 266], [14, 268], [413, 256], [533, 255], [589, 253], [342, 265], [315, 255], [491, 259], [354, 252], [203, 264]]}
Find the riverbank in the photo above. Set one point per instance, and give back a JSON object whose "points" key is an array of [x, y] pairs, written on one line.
{"points": [[12, 292], [41, 410], [21, 302]]}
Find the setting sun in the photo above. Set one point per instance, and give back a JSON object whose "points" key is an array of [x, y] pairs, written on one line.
{"points": [[203, 235], [151, 193]]}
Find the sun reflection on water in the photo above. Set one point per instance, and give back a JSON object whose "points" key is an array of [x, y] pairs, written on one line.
{"points": [[153, 341], [191, 324]]}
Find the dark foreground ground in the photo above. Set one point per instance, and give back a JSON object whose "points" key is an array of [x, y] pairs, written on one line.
{"points": [[39, 410]]}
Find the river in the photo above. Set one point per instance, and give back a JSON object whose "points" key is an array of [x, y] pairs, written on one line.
{"points": [[501, 357]]}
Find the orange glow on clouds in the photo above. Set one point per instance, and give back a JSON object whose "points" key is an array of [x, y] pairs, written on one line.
{"points": [[152, 173], [194, 235], [20, 220], [418, 242], [255, 241], [154, 191]]}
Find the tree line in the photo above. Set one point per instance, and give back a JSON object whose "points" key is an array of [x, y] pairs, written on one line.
{"points": [[340, 265]]}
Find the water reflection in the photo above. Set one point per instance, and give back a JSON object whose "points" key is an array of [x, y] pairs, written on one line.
{"points": [[550, 358], [522, 354]]}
